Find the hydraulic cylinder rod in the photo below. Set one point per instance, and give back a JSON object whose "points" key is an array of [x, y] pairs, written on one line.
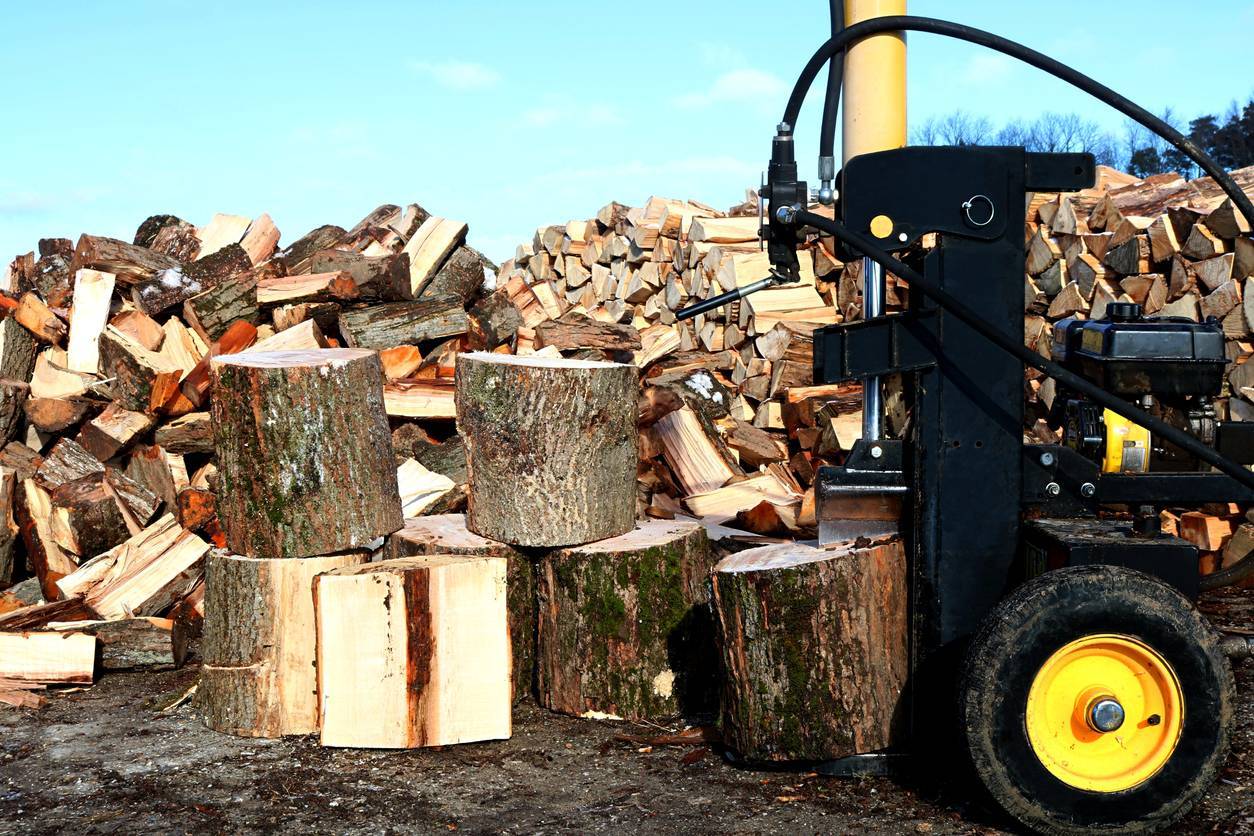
{"points": [[874, 120]]}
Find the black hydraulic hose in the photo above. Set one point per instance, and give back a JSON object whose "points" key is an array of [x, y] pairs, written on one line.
{"points": [[835, 76], [837, 45], [1014, 346]]}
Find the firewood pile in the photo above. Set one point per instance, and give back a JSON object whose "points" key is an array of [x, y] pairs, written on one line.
{"points": [[110, 480]]}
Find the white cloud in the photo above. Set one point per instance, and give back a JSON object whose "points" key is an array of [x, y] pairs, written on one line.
{"points": [[457, 75], [745, 87]]}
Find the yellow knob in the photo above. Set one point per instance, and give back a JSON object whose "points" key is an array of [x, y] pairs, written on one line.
{"points": [[881, 226]]}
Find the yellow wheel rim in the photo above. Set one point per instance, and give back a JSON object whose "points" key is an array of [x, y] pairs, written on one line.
{"points": [[1104, 713]]}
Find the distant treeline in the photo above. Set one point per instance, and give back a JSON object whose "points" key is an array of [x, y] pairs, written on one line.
{"points": [[1228, 138]]}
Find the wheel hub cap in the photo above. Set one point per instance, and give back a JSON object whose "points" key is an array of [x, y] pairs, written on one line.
{"points": [[1104, 713]]}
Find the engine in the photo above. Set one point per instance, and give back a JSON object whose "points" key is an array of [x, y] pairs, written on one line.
{"points": [[1170, 366]]}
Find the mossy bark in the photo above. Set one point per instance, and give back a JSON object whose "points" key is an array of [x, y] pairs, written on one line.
{"points": [[551, 448], [813, 648], [304, 454], [259, 679], [625, 628], [447, 534]]}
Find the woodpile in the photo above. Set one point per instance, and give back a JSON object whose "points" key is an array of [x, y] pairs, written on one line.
{"points": [[199, 401]]}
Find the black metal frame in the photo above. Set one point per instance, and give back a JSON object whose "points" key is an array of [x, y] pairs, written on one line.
{"points": [[968, 476]]}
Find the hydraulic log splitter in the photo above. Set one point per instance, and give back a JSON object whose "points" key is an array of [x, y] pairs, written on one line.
{"points": [[1092, 694]]}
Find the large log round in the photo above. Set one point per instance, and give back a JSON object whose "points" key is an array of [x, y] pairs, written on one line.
{"points": [[259, 643], [447, 534], [814, 649], [304, 452], [551, 448], [625, 626]]}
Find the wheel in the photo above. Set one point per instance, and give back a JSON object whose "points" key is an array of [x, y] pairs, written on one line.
{"points": [[1096, 698]]}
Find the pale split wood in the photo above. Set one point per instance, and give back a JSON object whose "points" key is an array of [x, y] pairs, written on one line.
{"points": [[414, 652]]}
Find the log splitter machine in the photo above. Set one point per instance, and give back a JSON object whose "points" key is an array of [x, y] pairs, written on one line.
{"points": [[1090, 694]]}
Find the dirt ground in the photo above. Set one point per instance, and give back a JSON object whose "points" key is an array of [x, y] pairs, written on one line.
{"points": [[106, 760]]}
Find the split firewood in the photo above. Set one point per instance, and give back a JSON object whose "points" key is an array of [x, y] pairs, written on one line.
{"points": [[8, 524], [93, 292], [213, 311], [259, 675], [143, 575], [311, 287], [383, 277], [138, 504], [575, 331], [397, 655], [547, 487], [67, 461], [613, 613], [129, 263], [39, 319], [814, 649], [51, 658], [403, 323], [416, 399], [191, 433], [446, 534], [462, 276], [113, 430], [143, 380], [693, 456], [86, 520], [292, 429], [428, 248], [58, 415], [171, 288], [134, 643], [298, 256]]}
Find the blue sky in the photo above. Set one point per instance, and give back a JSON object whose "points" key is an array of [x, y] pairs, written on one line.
{"points": [[507, 115]]}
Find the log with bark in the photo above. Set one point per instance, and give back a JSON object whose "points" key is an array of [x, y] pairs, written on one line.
{"points": [[813, 648], [304, 453], [403, 323], [145, 643], [447, 534], [551, 447], [259, 643], [625, 627], [413, 652]]}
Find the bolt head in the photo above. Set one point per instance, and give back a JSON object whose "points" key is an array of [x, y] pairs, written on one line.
{"points": [[1047, 459], [1087, 490], [1053, 489], [877, 451], [1106, 715]]}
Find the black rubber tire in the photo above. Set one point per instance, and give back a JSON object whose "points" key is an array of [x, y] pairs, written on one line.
{"points": [[1016, 640]]}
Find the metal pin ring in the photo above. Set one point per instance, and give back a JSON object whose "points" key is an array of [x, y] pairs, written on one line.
{"points": [[970, 204]]}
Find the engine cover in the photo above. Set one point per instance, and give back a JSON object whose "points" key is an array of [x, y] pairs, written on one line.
{"points": [[1130, 355]]}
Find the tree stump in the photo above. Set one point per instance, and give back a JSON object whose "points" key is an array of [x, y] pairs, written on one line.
{"points": [[447, 534], [304, 453], [413, 652], [258, 679], [551, 448], [625, 627], [814, 649]]}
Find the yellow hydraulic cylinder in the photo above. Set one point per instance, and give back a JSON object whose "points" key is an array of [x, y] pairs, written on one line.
{"points": [[875, 83]]}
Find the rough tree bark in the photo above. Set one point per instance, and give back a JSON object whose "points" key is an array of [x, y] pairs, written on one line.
{"points": [[625, 628], [551, 448], [447, 534], [814, 649], [304, 453], [258, 678]]}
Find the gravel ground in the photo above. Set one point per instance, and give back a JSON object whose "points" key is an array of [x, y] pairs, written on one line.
{"points": [[106, 760]]}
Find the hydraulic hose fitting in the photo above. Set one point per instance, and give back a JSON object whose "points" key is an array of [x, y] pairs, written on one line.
{"points": [[827, 175]]}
